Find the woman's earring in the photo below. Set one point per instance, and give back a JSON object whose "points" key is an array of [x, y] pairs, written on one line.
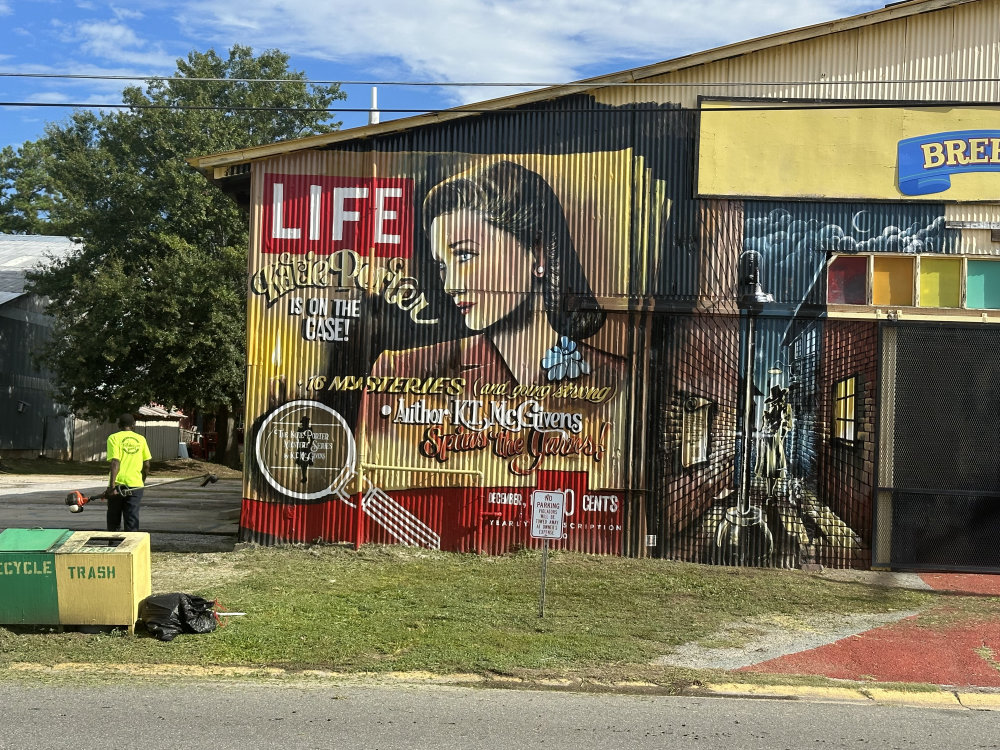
{"points": [[540, 271]]}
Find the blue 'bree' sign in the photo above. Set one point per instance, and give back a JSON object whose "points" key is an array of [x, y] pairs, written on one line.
{"points": [[926, 161]]}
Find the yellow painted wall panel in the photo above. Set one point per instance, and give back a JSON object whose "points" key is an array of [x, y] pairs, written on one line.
{"points": [[829, 153], [892, 281], [940, 282]]}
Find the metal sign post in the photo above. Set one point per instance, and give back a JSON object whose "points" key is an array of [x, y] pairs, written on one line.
{"points": [[548, 508]]}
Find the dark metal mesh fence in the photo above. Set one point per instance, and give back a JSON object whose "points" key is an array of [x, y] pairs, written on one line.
{"points": [[944, 452], [945, 531]]}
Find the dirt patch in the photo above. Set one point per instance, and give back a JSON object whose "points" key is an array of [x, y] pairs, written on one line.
{"points": [[180, 467], [191, 572]]}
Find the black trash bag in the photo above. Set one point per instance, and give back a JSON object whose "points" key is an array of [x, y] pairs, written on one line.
{"points": [[168, 615], [197, 614]]}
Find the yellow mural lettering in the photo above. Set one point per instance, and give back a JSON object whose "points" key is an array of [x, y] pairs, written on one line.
{"points": [[375, 384], [584, 393], [344, 269], [956, 152], [933, 155], [977, 150], [490, 389]]}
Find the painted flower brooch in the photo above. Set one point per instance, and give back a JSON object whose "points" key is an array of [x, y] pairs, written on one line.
{"points": [[564, 361]]}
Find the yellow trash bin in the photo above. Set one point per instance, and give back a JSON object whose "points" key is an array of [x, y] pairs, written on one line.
{"points": [[101, 577]]}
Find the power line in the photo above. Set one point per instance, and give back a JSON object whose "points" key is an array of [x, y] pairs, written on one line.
{"points": [[496, 84], [741, 106]]}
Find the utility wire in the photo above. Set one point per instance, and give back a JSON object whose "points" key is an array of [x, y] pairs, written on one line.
{"points": [[471, 109], [497, 84]]}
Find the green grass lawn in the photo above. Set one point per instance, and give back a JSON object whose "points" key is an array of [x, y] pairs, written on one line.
{"points": [[396, 609]]}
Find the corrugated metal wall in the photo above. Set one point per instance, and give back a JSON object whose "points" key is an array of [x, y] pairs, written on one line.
{"points": [[895, 60], [31, 423], [706, 318]]}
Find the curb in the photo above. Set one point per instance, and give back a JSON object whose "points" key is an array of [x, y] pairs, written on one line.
{"points": [[940, 698]]}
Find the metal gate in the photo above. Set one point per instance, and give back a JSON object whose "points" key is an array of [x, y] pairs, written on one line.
{"points": [[939, 448]]}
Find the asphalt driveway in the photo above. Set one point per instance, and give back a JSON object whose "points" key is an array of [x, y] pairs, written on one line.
{"points": [[180, 516]]}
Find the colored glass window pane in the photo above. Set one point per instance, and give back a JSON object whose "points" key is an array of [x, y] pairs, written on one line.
{"points": [[940, 282], [982, 288], [843, 409], [847, 281], [892, 281]]}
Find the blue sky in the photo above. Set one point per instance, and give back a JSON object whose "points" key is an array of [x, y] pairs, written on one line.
{"points": [[391, 40]]}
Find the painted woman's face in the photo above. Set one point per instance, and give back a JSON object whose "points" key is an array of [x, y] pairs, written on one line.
{"points": [[484, 269]]}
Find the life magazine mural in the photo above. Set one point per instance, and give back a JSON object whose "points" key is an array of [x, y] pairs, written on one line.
{"points": [[432, 347]]}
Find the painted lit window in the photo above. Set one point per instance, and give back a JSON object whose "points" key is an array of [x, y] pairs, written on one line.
{"points": [[982, 285], [695, 429], [847, 280], [892, 281], [940, 282], [844, 411]]}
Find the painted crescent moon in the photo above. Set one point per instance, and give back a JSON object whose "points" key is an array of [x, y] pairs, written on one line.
{"points": [[855, 223]]}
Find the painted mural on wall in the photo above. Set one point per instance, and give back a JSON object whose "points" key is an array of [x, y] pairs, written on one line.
{"points": [[432, 348], [778, 514]]}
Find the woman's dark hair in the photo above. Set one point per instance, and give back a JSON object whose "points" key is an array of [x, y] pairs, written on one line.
{"points": [[519, 201]]}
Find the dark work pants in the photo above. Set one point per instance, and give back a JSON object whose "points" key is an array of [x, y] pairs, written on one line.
{"points": [[124, 506]]}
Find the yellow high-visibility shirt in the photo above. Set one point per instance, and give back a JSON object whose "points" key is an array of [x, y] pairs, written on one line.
{"points": [[131, 450]]}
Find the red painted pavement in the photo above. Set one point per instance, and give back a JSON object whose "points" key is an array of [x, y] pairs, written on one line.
{"points": [[966, 583], [917, 649]]}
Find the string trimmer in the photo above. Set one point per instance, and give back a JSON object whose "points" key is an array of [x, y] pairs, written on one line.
{"points": [[76, 499]]}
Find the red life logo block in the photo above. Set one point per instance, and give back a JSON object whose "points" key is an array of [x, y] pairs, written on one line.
{"points": [[322, 214]]}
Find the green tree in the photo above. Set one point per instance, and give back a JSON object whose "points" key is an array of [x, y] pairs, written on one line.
{"points": [[152, 307], [24, 202]]}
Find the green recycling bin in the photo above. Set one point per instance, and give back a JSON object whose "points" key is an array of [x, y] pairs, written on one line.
{"points": [[28, 591]]}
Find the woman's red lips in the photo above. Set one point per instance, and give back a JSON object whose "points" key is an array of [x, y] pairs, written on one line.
{"points": [[464, 307]]}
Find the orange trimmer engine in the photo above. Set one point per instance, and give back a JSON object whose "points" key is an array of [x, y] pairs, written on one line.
{"points": [[76, 500]]}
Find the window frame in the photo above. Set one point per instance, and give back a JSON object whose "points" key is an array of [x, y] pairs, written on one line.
{"points": [[696, 430], [845, 409]]}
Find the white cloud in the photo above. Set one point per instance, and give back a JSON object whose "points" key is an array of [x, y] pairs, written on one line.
{"points": [[126, 13], [116, 42], [5, 8], [516, 40]]}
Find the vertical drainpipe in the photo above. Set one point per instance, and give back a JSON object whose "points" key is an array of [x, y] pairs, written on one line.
{"points": [[373, 112]]}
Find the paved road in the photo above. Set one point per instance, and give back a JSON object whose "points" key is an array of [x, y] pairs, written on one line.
{"points": [[181, 516], [231, 716]]}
